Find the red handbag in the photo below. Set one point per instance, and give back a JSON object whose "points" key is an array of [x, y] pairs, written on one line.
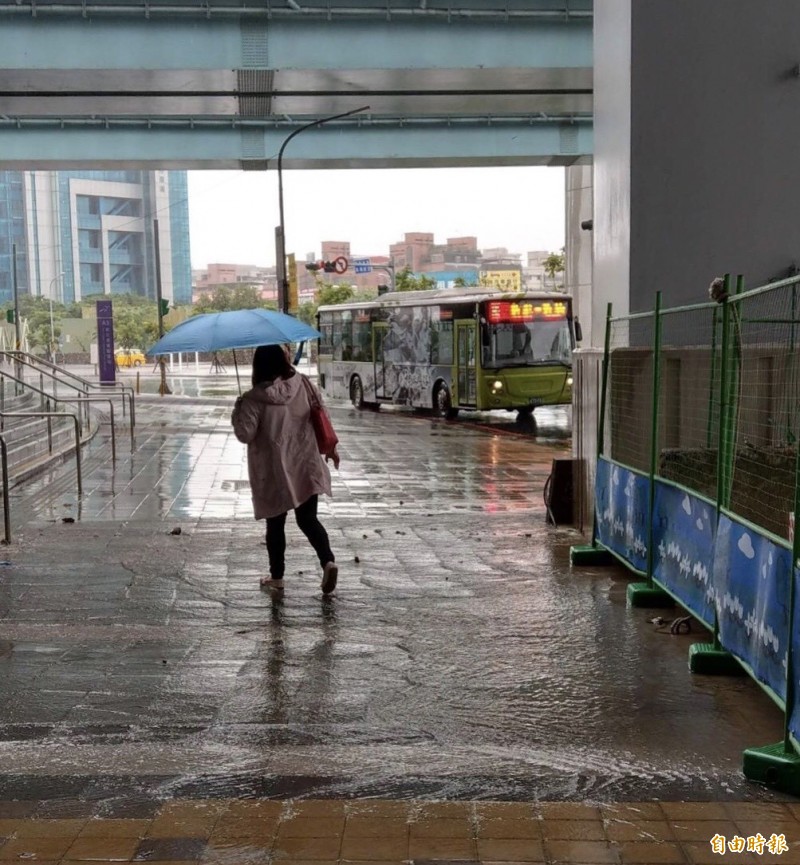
{"points": [[323, 428]]}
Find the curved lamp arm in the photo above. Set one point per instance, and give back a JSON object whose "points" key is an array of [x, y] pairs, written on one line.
{"points": [[282, 251]]}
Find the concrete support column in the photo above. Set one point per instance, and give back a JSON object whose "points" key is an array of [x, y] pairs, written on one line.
{"points": [[578, 273], [696, 167]]}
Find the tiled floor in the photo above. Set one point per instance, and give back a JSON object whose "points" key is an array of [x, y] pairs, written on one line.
{"points": [[246, 832]]}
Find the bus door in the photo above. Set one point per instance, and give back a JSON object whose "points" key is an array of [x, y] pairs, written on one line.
{"points": [[465, 383], [379, 331]]}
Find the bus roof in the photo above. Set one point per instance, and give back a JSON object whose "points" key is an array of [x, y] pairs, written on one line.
{"points": [[459, 294]]}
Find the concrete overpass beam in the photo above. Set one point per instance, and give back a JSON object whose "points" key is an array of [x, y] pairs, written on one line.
{"points": [[146, 144], [231, 43]]}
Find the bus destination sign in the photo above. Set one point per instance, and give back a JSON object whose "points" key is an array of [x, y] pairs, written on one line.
{"points": [[511, 312]]}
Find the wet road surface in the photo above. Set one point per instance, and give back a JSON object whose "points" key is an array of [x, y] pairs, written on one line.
{"points": [[461, 657]]}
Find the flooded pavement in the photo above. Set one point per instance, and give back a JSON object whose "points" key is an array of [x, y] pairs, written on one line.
{"points": [[460, 658], [549, 423]]}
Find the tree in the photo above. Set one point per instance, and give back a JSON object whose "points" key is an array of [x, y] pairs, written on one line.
{"points": [[461, 282], [36, 311], [307, 313], [135, 326], [39, 330], [329, 295], [406, 281], [553, 264], [222, 298]]}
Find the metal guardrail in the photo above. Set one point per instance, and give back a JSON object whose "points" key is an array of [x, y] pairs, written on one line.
{"points": [[79, 401], [6, 506], [4, 456], [65, 377], [82, 400]]}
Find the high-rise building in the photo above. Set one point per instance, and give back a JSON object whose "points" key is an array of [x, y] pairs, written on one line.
{"points": [[81, 233]]}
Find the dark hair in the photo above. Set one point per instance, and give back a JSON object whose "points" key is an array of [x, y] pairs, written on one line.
{"points": [[270, 362]]}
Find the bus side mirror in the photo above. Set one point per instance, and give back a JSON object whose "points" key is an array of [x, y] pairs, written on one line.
{"points": [[578, 331]]}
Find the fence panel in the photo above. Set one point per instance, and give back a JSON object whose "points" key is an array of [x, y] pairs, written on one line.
{"points": [[629, 413], [688, 402], [765, 407], [751, 577]]}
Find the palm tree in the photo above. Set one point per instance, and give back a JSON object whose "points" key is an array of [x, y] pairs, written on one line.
{"points": [[553, 264]]}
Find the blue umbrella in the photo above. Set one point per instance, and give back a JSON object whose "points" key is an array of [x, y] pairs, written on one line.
{"points": [[238, 328]]}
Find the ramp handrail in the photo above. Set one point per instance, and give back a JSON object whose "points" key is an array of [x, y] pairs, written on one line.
{"points": [[4, 461], [6, 506], [58, 373], [78, 399], [50, 415]]}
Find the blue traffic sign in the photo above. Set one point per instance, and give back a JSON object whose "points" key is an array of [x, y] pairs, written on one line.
{"points": [[362, 265]]}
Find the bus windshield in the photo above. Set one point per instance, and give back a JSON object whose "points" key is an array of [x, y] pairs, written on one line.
{"points": [[513, 335]]}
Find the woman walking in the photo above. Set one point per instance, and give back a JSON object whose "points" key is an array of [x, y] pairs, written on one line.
{"points": [[283, 462]]}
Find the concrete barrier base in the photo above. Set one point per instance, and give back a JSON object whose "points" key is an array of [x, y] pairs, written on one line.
{"points": [[708, 660], [774, 766], [588, 556], [647, 596]]}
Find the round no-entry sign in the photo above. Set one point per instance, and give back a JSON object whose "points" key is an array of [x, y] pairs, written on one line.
{"points": [[340, 264]]}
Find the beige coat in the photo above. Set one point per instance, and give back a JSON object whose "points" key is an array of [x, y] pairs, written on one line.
{"points": [[283, 462]]}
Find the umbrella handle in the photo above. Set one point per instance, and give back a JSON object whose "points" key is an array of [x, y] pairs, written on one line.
{"points": [[236, 367], [298, 353]]}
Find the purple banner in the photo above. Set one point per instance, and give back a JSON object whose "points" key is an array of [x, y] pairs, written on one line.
{"points": [[105, 341]]}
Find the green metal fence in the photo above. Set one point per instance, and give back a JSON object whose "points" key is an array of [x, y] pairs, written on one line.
{"points": [[698, 482]]}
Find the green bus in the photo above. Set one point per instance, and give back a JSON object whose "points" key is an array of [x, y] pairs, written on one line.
{"points": [[450, 349]]}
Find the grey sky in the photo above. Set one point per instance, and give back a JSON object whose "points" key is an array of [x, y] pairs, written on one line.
{"points": [[233, 214]]}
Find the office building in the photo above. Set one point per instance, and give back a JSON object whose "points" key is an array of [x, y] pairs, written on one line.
{"points": [[80, 234]]}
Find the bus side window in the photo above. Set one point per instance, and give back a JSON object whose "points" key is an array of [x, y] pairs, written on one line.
{"points": [[445, 343], [347, 334], [336, 335], [362, 338], [326, 329], [486, 341]]}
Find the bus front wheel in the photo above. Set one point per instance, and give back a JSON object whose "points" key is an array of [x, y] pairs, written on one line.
{"points": [[357, 392], [442, 403]]}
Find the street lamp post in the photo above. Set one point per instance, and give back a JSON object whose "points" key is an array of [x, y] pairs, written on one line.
{"points": [[280, 235], [54, 280]]}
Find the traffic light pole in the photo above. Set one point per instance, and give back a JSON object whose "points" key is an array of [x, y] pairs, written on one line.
{"points": [[280, 234], [18, 371], [18, 341], [163, 388]]}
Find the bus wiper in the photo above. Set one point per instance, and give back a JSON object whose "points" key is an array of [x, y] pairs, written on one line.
{"points": [[550, 361]]}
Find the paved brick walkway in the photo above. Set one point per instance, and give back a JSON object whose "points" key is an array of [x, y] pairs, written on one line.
{"points": [[326, 832]]}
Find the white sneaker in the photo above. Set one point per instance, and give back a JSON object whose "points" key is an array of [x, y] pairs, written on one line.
{"points": [[271, 584], [330, 574]]}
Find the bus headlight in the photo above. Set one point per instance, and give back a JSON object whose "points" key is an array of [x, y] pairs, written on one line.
{"points": [[569, 380], [497, 385]]}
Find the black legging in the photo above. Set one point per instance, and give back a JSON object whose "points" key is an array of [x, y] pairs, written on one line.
{"points": [[310, 526]]}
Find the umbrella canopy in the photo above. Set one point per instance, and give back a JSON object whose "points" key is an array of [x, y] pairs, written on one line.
{"points": [[239, 328]]}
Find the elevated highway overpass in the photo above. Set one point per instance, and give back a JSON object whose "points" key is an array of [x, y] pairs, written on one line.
{"points": [[222, 83]]}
